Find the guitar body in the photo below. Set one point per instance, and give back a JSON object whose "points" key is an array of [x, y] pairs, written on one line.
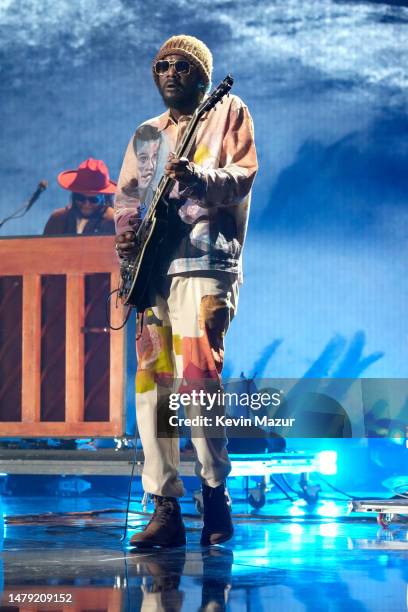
{"points": [[137, 274]]}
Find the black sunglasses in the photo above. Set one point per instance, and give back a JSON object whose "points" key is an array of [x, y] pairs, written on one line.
{"points": [[97, 199], [180, 66]]}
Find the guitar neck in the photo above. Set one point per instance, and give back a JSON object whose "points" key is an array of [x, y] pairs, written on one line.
{"points": [[185, 145], [166, 183]]}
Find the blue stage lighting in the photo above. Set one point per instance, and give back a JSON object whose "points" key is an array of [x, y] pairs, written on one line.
{"points": [[327, 462], [329, 509]]}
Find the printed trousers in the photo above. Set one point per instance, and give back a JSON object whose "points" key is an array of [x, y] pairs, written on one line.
{"points": [[182, 338]]}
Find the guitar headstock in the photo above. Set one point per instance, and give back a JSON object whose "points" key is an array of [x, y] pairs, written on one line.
{"points": [[219, 92]]}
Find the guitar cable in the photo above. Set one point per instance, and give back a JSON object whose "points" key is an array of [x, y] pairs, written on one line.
{"points": [[107, 312], [123, 538], [138, 335]]}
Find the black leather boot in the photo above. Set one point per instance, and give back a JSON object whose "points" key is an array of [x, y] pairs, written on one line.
{"points": [[165, 528], [218, 526]]}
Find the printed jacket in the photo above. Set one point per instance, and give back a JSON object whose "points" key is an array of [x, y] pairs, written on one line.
{"points": [[208, 223]]}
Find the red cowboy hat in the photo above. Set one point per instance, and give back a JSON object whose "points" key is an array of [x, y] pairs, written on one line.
{"points": [[91, 178]]}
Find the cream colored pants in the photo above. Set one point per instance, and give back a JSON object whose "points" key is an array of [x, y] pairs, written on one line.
{"points": [[182, 337]]}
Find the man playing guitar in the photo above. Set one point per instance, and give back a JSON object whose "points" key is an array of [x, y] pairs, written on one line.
{"points": [[194, 288]]}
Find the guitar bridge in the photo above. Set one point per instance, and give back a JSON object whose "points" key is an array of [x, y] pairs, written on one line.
{"points": [[126, 275]]}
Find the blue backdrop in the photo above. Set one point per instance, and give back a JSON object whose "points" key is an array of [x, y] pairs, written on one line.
{"points": [[325, 258]]}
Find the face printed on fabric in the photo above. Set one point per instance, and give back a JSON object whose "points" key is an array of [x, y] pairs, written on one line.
{"points": [[179, 89], [146, 162]]}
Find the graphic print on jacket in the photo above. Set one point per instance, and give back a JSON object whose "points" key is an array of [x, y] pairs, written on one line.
{"points": [[209, 223]]}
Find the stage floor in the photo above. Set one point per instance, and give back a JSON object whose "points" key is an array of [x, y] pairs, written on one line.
{"points": [[278, 560]]}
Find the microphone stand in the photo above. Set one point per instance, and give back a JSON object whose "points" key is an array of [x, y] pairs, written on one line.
{"points": [[22, 210]]}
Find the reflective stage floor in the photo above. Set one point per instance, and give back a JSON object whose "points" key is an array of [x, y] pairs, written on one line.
{"points": [[279, 559]]}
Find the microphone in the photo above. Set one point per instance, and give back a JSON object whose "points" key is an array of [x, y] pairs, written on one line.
{"points": [[42, 186], [20, 212]]}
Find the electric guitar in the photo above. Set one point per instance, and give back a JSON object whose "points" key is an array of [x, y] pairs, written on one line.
{"points": [[136, 272]]}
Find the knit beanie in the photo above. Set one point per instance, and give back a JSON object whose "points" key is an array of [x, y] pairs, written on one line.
{"points": [[192, 49]]}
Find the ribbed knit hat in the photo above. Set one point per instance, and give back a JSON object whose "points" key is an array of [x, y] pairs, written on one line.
{"points": [[192, 49]]}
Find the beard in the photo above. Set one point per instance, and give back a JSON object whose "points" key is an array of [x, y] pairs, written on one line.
{"points": [[181, 99]]}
